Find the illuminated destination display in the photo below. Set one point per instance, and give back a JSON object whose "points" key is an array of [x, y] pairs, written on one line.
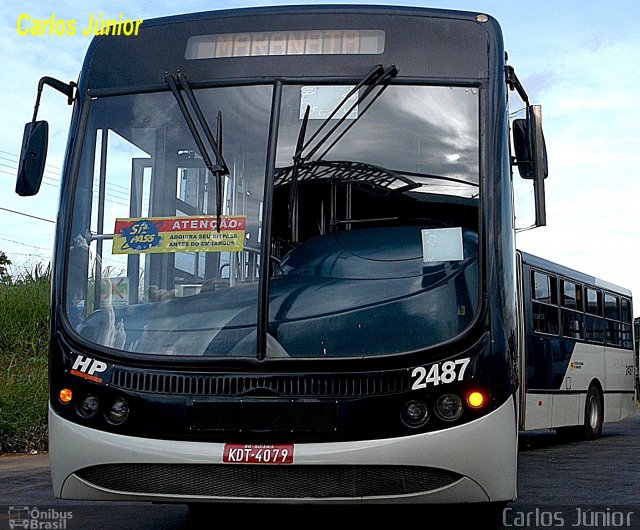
{"points": [[308, 42]]}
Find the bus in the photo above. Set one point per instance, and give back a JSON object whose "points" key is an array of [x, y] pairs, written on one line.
{"points": [[285, 267], [579, 362]]}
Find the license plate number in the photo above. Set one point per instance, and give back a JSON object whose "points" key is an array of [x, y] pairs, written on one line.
{"points": [[258, 454]]}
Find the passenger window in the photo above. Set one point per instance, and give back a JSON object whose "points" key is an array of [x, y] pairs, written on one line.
{"points": [[593, 321], [613, 332], [612, 327], [544, 288], [594, 302], [571, 295], [572, 324], [545, 309], [594, 328], [545, 319], [626, 334], [625, 307], [611, 307]]}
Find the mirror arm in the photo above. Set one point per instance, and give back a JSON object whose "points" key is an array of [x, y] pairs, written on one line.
{"points": [[515, 84], [67, 89]]}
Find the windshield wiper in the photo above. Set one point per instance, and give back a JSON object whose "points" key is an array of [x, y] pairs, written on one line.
{"points": [[375, 77], [437, 177], [219, 168], [293, 190]]}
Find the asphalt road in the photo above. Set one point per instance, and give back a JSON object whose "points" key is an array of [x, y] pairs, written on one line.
{"points": [[561, 485]]}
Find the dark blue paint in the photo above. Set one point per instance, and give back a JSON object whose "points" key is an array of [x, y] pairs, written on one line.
{"points": [[547, 361]]}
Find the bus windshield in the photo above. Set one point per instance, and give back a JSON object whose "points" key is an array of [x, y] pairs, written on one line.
{"points": [[373, 238]]}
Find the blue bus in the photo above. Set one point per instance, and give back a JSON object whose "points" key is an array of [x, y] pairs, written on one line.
{"points": [[579, 362], [285, 267]]}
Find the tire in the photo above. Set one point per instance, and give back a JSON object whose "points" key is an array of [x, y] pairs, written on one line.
{"points": [[593, 414], [591, 429]]}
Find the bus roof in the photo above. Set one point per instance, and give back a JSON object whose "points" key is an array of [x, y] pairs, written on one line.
{"points": [[353, 9], [561, 270], [423, 43]]}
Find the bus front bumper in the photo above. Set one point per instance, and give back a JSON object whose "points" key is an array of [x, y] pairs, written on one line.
{"points": [[474, 462]]}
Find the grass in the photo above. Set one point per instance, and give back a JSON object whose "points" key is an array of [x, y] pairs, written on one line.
{"points": [[24, 336]]}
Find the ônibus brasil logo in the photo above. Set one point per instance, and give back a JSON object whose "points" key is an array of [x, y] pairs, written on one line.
{"points": [[37, 519]]}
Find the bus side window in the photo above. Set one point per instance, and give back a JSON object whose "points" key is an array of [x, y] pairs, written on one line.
{"points": [[612, 317], [572, 316], [626, 316], [594, 322], [545, 303]]}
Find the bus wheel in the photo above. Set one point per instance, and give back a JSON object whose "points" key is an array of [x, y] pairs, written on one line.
{"points": [[593, 414]]}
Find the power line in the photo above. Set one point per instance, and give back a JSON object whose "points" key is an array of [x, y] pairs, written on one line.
{"points": [[114, 194], [25, 244], [18, 158], [29, 254], [28, 215]]}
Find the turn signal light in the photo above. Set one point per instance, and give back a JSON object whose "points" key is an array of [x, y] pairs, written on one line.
{"points": [[65, 395], [476, 399]]}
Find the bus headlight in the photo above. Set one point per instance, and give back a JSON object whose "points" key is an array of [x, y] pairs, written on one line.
{"points": [[118, 412], [89, 405], [414, 414], [449, 407]]}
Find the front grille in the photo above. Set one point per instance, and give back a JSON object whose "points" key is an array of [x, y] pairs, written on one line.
{"points": [[266, 416], [292, 385], [262, 481]]}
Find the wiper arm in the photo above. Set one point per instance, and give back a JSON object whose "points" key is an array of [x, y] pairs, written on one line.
{"points": [[219, 169], [374, 78], [437, 177], [371, 76], [381, 82], [293, 190]]}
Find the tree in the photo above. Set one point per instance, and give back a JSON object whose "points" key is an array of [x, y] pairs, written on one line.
{"points": [[4, 263]]}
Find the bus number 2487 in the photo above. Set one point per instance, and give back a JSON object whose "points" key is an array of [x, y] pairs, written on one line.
{"points": [[439, 373]]}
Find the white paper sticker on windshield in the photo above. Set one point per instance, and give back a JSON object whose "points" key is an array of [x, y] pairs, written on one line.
{"points": [[323, 100], [442, 244]]}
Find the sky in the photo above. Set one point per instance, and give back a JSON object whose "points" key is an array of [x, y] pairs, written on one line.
{"points": [[579, 59]]}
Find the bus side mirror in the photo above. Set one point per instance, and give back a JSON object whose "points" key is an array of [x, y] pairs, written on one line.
{"points": [[32, 158], [522, 147], [531, 156]]}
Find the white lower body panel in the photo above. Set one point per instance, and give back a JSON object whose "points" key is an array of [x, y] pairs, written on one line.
{"points": [[483, 452]]}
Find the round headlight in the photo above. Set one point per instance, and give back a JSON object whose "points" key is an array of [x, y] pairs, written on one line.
{"points": [[414, 414], [118, 412], [449, 407], [88, 406]]}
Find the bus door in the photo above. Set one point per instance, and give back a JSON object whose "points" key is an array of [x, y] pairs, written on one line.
{"points": [[522, 360]]}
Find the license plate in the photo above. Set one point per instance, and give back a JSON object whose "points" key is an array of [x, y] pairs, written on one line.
{"points": [[258, 454]]}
